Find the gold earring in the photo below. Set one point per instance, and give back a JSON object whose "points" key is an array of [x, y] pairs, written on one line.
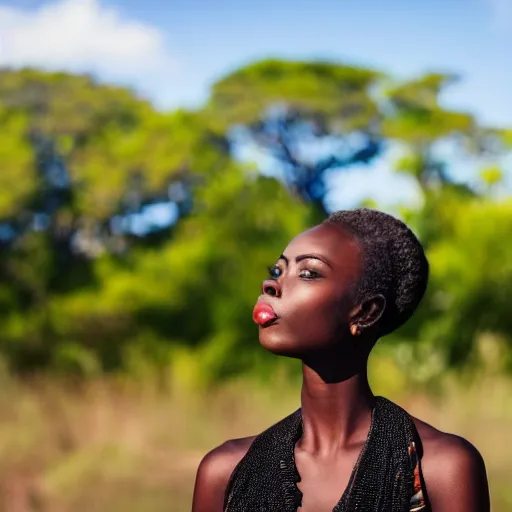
{"points": [[354, 330]]}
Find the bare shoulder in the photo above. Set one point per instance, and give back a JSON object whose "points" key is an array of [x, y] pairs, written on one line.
{"points": [[221, 461], [214, 472], [453, 470], [449, 450]]}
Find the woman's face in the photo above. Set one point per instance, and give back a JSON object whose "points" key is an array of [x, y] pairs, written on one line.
{"points": [[307, 300]]}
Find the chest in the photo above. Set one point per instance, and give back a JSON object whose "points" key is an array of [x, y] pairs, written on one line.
{"points": [[324, 481]]}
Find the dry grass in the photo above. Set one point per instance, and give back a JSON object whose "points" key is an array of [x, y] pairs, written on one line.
{"points": [[116, 446]]}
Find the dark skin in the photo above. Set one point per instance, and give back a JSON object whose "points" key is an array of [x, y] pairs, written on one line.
{"points": [[313, 294]]}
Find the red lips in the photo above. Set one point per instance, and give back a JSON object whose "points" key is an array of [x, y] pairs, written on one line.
{"points": [[263, 314]]}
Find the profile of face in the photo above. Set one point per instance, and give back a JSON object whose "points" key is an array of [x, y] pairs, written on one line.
{"points": [[307, 301]]}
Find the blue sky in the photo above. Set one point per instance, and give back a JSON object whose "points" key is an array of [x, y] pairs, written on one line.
{"points": [[173, 50], [470, 37], [205, 39], [466, 36]]}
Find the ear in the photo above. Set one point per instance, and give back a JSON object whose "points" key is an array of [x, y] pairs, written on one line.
{"points": [[367, 313]]}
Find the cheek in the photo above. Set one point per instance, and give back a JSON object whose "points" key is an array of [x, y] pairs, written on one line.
{"points": [[317, 318], [311, 316]]}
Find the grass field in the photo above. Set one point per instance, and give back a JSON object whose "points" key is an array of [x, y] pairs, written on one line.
{"points": [[113, 446]]}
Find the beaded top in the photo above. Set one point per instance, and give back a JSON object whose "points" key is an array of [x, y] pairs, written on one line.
{"points": [[386, 476]]}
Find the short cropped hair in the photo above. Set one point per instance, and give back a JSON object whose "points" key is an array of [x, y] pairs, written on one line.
{"points": [[395, 264]]}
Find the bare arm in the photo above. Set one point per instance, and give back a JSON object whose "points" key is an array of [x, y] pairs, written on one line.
{"points": [[214, 472], [455, 476]]}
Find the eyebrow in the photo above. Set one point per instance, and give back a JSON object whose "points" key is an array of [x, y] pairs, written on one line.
{"points": [[306, 257]]}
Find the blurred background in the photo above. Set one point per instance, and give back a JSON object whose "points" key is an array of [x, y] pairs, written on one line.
{"points": [[157, 156]]}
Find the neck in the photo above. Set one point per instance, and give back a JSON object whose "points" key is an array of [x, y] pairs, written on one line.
{"points": [[336, 412]]}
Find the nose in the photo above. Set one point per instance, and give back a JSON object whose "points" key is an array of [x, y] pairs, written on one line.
{"points": [[271, 287]]}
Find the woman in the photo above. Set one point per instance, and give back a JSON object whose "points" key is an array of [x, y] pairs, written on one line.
{"points": [[335, 290]]}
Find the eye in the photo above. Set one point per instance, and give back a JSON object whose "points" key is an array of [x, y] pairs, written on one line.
{"points": [[308, 274], [275, 271]]}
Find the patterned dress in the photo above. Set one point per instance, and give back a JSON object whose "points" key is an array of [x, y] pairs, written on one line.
{"points": [[418, 501]]}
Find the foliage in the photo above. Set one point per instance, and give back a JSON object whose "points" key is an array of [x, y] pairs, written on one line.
{"points": [[132, 238], [310, 117], [471, 277]]}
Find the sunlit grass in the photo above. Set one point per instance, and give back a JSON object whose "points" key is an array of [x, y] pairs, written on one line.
{"points": [[112, 445]]}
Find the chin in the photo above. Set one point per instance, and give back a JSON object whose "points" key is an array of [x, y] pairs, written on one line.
{"points": [[282, 343], [278, 344]]}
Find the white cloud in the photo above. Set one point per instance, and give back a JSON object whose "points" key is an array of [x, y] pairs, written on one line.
{"points": [[82, 36]]}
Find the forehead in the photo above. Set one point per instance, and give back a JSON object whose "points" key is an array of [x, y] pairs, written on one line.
{"points": [[335, 243]]}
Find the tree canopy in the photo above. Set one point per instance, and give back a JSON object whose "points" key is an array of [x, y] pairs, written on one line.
{"points": [[130, 236]]}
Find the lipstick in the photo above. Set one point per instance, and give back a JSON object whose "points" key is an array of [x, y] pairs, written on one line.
{"points": [[263, 314]]}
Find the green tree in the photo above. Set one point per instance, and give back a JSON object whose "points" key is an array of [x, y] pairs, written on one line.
{"points": [[81, 289], [77, 157], [309, 117]]}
